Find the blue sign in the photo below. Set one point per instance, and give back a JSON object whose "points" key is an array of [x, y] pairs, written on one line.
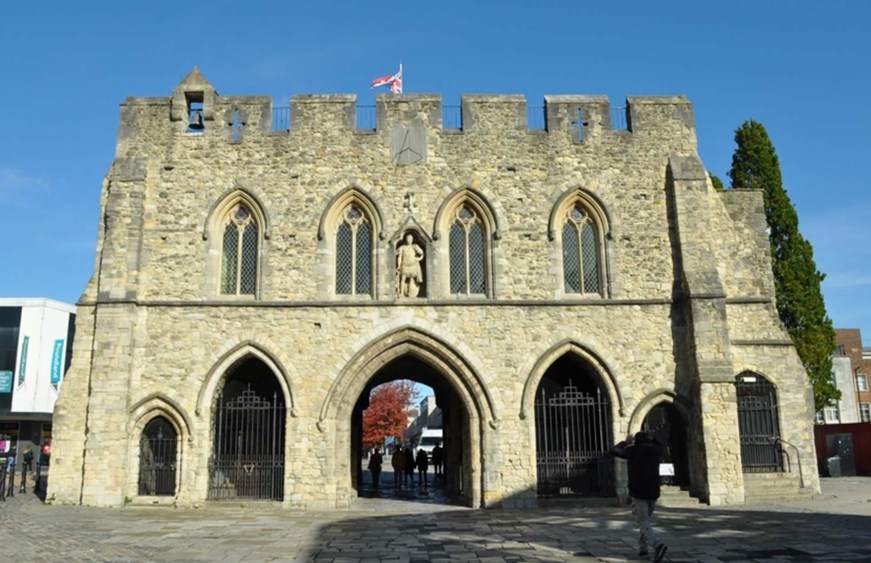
{"points": [[22, 365], [57, 360], [5, 382]]}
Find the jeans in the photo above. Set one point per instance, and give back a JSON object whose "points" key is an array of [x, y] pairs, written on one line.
{"points": [[643, 510]]}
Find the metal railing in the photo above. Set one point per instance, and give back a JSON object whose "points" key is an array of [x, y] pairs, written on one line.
{"points": [[618, 118], [366, 117], [779, 441], [452, 118], [281, 119]]}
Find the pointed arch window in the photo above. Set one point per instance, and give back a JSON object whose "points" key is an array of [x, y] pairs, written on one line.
{"points": [[581, 252], [467, 248], [354, 252], [239, 252]]}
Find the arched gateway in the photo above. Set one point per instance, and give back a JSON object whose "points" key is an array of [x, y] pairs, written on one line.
{"points": [[248, 434], [573, 430], [410, 353]]}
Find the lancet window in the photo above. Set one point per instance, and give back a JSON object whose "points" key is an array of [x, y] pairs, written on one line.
{"points": [[581, 252], [354, 241], [239, 254]]}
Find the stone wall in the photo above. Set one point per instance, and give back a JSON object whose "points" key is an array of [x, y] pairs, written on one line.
{"points": [[686, 303]]}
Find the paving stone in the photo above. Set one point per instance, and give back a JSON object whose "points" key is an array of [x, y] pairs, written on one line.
{"points": [[823, 529]]}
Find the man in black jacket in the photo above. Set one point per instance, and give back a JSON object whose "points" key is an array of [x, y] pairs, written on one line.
{"points": [[643, 454]]}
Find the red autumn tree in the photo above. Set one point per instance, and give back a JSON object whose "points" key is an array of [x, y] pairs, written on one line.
{"points": [[387, 414]]}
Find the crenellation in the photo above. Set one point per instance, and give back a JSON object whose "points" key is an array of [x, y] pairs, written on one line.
{"points": [[663, 117], [393, 109], [325, 112]]}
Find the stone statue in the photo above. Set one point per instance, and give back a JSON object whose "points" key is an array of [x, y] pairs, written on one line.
{"points": [[409, 278]]}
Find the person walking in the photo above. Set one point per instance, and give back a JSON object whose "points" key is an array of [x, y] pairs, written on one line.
{"points": [[397, 460], [409, 465], [26, 467], [375, 462], [438, 457], [422, 466], [643, 452], [10, 472]]}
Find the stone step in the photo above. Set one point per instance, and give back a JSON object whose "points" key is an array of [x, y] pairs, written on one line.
{"points": [[675, 496], [773, 486]]}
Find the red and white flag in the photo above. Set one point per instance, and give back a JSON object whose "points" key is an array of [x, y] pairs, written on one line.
{"points": [[395, 81], [396, 87]]}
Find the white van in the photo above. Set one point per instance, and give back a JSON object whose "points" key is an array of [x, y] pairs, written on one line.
{"points": [[429, 439]]}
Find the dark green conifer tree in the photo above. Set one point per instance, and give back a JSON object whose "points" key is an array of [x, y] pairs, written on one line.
{"points": [[797, 281]]}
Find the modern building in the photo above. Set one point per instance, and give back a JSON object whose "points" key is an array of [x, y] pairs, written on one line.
{"points": [[851, 365], [36, 338], [559, 276], [427, 416]]}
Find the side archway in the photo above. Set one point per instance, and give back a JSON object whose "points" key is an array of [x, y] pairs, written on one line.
{"points": [[758, 424], [160, 428], [234, 355], [667, 416], [572, 393], [559, 349], [247, 397]]}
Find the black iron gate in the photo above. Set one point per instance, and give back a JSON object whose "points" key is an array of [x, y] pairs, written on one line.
{"points": [[758, 425], [158, 447], [248, 457], [573, 435]]}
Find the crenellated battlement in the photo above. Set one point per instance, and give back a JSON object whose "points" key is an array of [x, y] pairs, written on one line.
{"points": [[195, 108]]}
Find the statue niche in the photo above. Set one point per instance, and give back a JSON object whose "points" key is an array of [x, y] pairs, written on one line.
{"points": [[409, 275]]}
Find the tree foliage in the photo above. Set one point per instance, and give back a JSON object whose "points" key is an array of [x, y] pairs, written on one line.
{"points": [[800, 302], [387, 415]]}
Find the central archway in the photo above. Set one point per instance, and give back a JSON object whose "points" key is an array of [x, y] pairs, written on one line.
{"points": [[455, 440], [410, 353]]}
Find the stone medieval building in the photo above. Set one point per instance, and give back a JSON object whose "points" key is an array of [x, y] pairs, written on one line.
{"points": [[258, 271]]}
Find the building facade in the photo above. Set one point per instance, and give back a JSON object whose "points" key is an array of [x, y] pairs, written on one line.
{"points": [[36, 338], [427, 416], [851, 364], [556, 288], [846, 409]]}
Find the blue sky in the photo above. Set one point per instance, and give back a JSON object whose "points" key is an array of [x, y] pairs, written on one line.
{"points": [[803, 69]]}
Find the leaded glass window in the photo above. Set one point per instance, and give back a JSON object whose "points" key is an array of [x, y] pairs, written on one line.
{"points": [[354, 253], [466, 242], [239, 253], [580, 253]]}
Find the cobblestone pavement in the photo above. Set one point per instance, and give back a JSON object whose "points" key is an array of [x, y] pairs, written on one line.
{"points": [[834, 526]]}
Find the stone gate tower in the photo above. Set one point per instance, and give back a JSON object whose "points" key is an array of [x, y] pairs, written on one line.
{"points": [[259, 270]]}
